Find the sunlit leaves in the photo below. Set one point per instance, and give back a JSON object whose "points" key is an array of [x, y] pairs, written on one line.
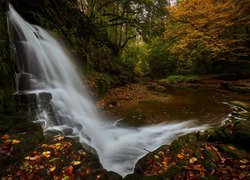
{"points": [[57, 159], [196, 161], [200, 30]]}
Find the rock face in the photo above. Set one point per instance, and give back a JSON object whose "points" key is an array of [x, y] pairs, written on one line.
{"points": [[27, 104]]}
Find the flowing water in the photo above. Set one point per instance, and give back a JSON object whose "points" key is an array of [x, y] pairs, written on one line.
{"points": [[45, 67]]}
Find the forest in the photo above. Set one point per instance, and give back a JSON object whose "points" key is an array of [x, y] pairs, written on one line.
{"points": [[124, 89]]}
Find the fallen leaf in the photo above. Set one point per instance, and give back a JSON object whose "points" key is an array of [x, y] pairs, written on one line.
{"points": [[180, 156], [231, 148], [52, 169], [68, 170], [5, 136], [161, 154], [84, 153], [98, 176], [66, 178], [53, 159], [243, 166], [46, 154], [88, 171], [192, 160], [58, 138], [244, 161], [36, 157], [156, 157], [15, 141], [27, 157], [75, 163]]}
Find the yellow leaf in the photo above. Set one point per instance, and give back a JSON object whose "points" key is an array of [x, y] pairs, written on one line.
{"points": [[192, 160], [244, 161], [14, 141], [84, 153], [52, 169], [76, 163], [27, 158], [161, 154], [156, 157], [58, 138], [58, 144], [46, 154], [243, 166]]}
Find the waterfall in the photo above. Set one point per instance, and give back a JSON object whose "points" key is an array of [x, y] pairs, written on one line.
{"points": [[44, 66]]}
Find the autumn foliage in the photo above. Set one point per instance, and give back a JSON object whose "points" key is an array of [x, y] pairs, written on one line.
{"points": [[208, 31]]}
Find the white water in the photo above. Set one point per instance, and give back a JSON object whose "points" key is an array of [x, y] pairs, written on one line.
{"points": [[44, 60]]}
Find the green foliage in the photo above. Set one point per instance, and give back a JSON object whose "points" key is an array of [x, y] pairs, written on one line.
{"points": [[135, 56], [161, 63], [179, 78], [6, 65]]}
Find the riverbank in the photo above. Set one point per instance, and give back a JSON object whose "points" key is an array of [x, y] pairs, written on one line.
{"points": [[220, 152]]}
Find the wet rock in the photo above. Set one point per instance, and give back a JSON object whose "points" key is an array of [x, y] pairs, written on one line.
{"points": [[110, 175], [245, 105], [29, 103], [156, 87]]}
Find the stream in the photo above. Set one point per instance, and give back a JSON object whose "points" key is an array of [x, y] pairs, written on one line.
{"points": [[45, 66]]}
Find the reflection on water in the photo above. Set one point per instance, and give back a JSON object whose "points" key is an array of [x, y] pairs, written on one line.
{"points": [[205, 106]]}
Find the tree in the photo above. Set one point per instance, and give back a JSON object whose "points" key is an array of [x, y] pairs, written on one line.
{"points": [[204, 30], [125, 19]]}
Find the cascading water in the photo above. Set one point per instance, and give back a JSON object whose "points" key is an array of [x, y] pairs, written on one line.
{"points": [[45, 67]]}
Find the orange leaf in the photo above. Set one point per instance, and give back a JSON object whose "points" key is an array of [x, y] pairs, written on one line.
{"points": [[6, 136], [181, 156], [68, 170], [88, 171]]}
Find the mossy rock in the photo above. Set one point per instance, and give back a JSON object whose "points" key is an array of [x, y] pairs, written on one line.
{"points": [[242, 134], [28, 135], [183, 140]]}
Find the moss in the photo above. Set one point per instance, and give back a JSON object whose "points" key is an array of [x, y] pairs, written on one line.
{"points": [[135, 118], [182, 141], [7, 65], [29, 134], [180, 78], [149, 102], [173, 171]]}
